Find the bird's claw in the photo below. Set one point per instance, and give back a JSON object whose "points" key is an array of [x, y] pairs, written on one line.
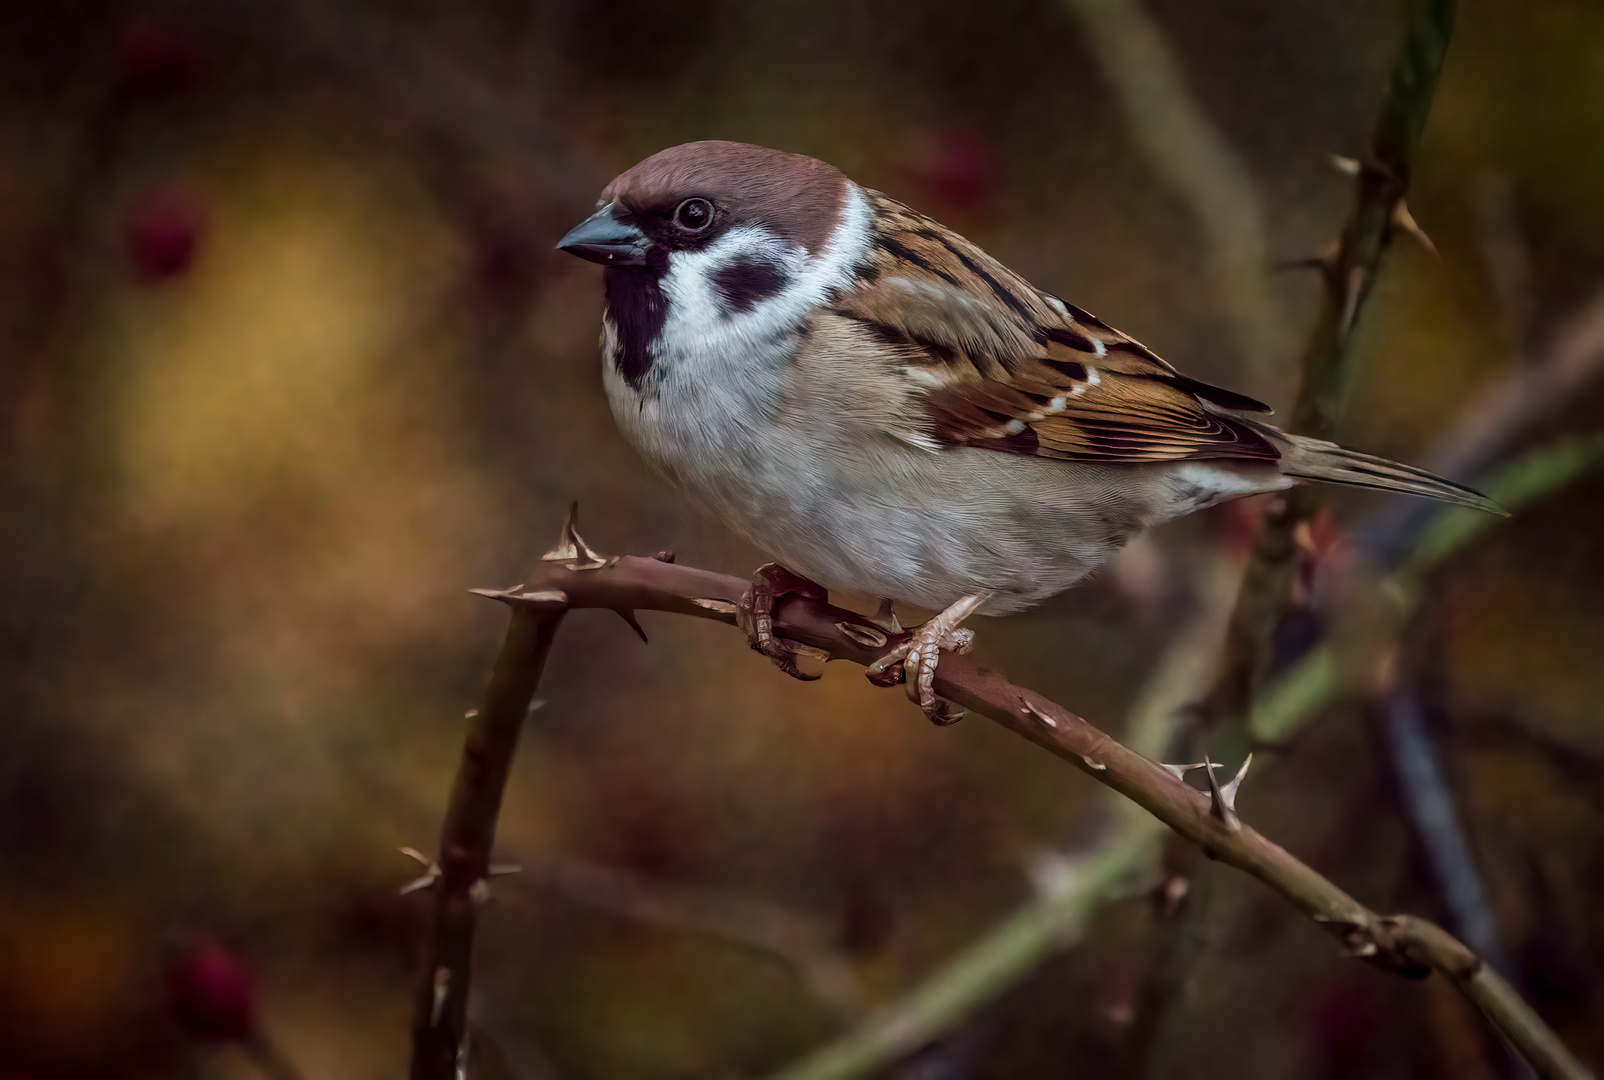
{"points": [[755, 615], [919, 656]]}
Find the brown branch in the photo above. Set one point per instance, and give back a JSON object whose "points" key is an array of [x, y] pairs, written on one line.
{"points": [[459, 880], [1401, 944]]}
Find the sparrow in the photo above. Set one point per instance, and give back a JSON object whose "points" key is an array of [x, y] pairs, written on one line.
{"points": [[883, 407]]}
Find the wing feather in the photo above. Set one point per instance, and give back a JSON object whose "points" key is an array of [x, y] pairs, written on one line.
{"points": [[994, 362]]}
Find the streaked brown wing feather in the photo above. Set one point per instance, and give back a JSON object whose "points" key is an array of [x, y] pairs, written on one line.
{"points": [[999, 364]]}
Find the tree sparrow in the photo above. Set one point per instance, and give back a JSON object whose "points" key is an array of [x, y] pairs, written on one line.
{"points": [[886, 408]]}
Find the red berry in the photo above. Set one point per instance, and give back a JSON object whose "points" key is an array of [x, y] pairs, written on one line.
{"points": [[211, 993], [161, 233]]}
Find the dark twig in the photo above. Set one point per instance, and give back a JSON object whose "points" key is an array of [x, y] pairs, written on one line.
{"points": [[460, 880], [1400, 944]]}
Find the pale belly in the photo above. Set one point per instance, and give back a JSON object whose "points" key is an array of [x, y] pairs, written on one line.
{"points": [[859, 510]]}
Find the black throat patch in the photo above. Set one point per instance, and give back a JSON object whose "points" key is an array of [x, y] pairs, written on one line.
{"points": [[637, 309]]}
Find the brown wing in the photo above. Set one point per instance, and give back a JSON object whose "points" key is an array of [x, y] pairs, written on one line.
{"points": [[996, 363]]}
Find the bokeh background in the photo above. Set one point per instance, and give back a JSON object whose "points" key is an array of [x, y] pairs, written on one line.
{"points": [[288, 363]]}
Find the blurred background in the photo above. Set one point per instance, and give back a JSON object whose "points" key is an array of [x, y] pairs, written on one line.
{"points": [[288, 364]]}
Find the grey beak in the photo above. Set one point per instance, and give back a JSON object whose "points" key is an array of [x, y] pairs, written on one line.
{"points": [[604, 239]]}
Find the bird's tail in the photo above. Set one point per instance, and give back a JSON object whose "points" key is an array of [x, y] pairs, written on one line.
{"points": [[1316, 459]]}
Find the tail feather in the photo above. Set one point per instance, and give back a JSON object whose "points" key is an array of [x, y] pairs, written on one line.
{"points": [[1315, 459]]}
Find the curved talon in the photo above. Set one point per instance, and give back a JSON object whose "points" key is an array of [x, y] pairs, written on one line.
{"points": [[920, 654], [772, 583]]}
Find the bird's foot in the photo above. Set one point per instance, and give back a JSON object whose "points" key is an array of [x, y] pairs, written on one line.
{"points": [[755, 615], [920, 654]]}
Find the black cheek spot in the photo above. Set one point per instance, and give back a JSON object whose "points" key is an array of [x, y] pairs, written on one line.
{"points": [[745, 282]]}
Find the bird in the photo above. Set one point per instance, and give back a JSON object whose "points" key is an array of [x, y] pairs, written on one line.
{"points": [[885, 408]]}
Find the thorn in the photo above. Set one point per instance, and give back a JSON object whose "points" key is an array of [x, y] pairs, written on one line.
{"points": [[1235, 784], [634, 624], [469, 715], [430, 875], [502, 869], [868, 636], [1323, 261], [442, 985], [885, 617], [1347, 166], [1180, 771], [1031, 710], [534, 707], [663, 556], [504, 595], [571, 549], [723, 607], [1219, 803], [544, 596], [1170, 892], [1095, 766], [1403, 219]]}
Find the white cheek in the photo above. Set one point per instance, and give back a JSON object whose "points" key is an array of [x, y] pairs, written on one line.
{"points": [[703, 337]]}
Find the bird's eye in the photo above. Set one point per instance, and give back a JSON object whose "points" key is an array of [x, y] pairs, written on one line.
{"points": [[694, 215]]}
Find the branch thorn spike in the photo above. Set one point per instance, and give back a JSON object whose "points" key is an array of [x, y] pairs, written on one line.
{"points": [[1222, 801], [430, 875], [571, 549], [1031, 710], [1404, 220], [1180, 771], [1235, 783], [1347, 166], [885, 617], [504, 595], [442, 986], [634, 624]]}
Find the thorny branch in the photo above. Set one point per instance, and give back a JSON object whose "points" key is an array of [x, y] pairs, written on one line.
{"points": [[459, 880], [577, 577], [1349, 274]]}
